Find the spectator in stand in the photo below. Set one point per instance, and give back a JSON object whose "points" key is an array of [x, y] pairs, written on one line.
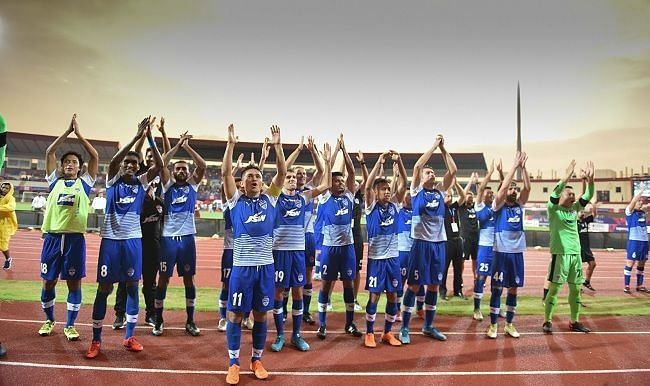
{"points": [[38, 203]]}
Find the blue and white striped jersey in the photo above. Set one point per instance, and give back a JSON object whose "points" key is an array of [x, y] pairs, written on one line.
{"points": [[382, 226], [428, 221], [485, 216], [636, 225], [179, 208], [509, 233], [123, 207], [335, 211]]}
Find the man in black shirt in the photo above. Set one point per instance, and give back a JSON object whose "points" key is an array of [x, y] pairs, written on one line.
{"points": [[454, 247], [584, 218], [469, 225]]}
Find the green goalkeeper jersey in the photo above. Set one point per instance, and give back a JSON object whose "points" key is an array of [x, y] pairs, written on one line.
{"points": [[563, 221]]}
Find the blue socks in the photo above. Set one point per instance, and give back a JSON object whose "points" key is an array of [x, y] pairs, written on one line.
{"points": [[478, 293], [74, 304], [223, 303], [233, 336], [306, 296], [296, 316], [278, 316], [511, 302], [407, 307], [323, 299], [132, 308], [639, 276], [99, 312], [391, 315], [371, 315], [495, 304], [47, 302], [627, 272], [259, 339], [430, 302]]}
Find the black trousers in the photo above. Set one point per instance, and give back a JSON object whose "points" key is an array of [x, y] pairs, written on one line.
{"points": [[150, 264], [454, 251]]}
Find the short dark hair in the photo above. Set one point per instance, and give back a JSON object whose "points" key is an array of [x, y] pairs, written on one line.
{"points": [[179, 162], [237, 179], [568, 187], [74, 153], [488, 188], [379, 181], [133, 153], [337, 174], [247, 168]]}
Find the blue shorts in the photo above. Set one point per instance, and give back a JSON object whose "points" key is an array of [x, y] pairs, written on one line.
{"points": [[637, 250], [290, 269], [484, 260], [119, 260], [64, 254], [251, 288], [426, 262], [383, 275], [404, 263], [226, 265], [310, 250], [508, 270], [338, 260], [179, 251]]}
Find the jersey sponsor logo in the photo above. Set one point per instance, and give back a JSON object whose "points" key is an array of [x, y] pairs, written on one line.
{"points": [[126, 200], [387, 222], [514, 219], [152, 218], [179, 200], [66, 199], [433, 204], [265, 301], [342, 212], [257, 217], [294, 212]]}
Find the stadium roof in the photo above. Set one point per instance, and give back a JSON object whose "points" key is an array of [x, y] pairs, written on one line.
{"points": [[33, 146]]}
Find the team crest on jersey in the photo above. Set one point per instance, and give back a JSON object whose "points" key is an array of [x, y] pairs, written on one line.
{"points": [[187, 267], [265, 301], [439, 276], [72, 271], [517, 279], [185, 189], [130, 271], [349, 272], [300, 277], [263, 204], [517, 211], [395, 283]]}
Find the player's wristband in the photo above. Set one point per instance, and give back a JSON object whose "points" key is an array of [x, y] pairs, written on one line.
{"points": [[152, 143]]}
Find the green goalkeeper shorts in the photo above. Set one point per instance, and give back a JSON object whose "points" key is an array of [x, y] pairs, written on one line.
{"points": [[566, 269]]}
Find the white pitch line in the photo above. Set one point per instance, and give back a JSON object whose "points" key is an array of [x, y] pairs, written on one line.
{"points": [[332, 373], [341, 332]]}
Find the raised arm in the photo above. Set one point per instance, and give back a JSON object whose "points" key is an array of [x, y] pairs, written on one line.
{"points": [[335, 154], [294, 154], [264, 155], [450, 176], [50, 153], [461, 192], [280, 163], [587, 175], [318, 161], [500, 170], [161, 128], [557, 191], [199, 162], [364, 170], [422, 161], [400, 192], [484, 182], [154, 170], [139, 144], [369, 192], [525, 191], [349, 168], [473, 180], [93, 161], [116, 161], [500, 197], [229, 186], [326, 181], [630, 207]]}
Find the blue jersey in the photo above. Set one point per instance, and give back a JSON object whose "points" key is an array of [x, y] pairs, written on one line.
{"points": [[253, 220], [636, 225], [404, 240], [179, 209], [336, 215], [509, 229], [123, 207], [227, 232], [485, 216], [428, 221], [289, 231], [310, 211], [381, 223]]}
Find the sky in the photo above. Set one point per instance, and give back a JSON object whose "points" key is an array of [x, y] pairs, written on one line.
{"points": [[384, 73]]}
